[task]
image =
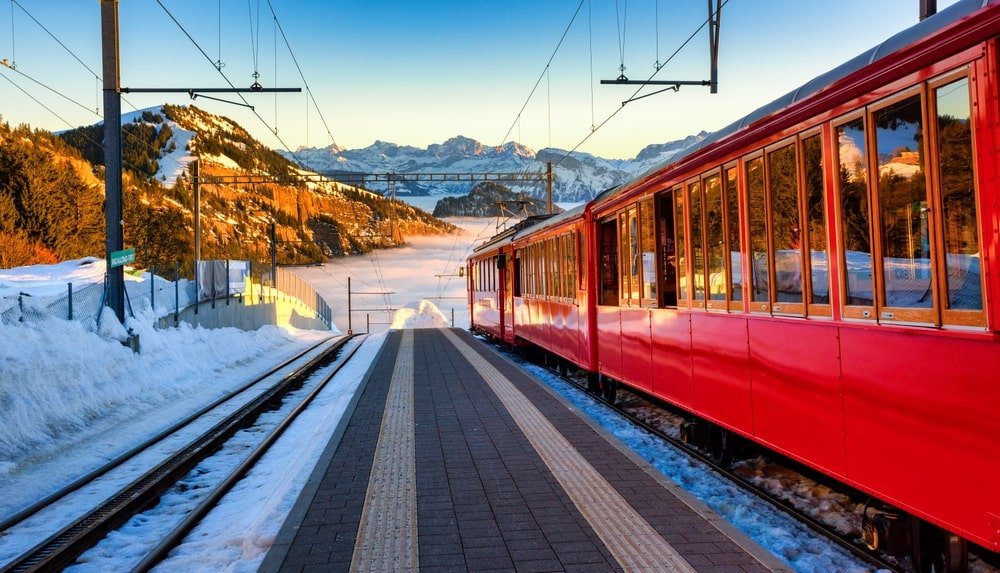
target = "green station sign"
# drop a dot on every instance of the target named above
(119, 258)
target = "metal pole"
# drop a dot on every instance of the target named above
(112, 155)
(349, 329)
(368, 323)
(274, 255)
(152, 288)
(196, 178)
(927, 8)
(227, 282)
(453, 317)
(196, 293)
(69, 288)
(177, 291)
(548, 188)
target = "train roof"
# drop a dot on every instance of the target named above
(923, 29)
(551, 221)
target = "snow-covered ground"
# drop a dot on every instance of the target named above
(70, 397)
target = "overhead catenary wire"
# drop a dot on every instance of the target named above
(544, 71)
(13, 46)
(302, 76)
(639, 89)
(620, 22)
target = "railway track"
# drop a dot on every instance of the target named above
(82, 531)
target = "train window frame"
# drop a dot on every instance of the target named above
(647, 267)
(695, 274)
(884, 312)
(755, 305)
(848, 310)
(604, 296)
(733, 304)
(953, 316)
(681, 256)
(784, 308)
(721, 304)
(815, 308)
(580, 240)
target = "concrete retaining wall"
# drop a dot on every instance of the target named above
(241, 313)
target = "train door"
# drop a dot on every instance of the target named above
(667, 248)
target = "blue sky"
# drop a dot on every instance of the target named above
(420, 72)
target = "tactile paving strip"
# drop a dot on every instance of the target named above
(630, 538)
(387, 537)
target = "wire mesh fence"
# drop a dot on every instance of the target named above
(219, 282)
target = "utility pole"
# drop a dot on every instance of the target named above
(548, 188)
(114, 240)
(927, 8)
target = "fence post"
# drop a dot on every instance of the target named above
(349, 329)
(177, 291)
(227, 282)
(453, 317)
(196, 293)
(152, 289)
(368, 323)
(69, 288)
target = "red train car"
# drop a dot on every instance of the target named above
(822, 278)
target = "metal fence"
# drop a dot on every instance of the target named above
(290, 284)
(83, 302)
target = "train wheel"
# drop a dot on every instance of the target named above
(610, 390)
(941, 551)
(593, 383)
(720, 446)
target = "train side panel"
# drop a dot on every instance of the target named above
(671, 348)
(636, 353)
(609, 341)
(797, 395)
(721, 370)
(922, 424)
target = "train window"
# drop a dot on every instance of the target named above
(735, 260)
(963, 283)
(647, 241)
(569, 240)
(715, 244)
(667, 279)
(629, 244)
(581, 267)
(903, 211)
(819, 274)
(681, 248)
(760, 279)
(518, 274)
(852, 178)
(697, 240)
(609, 262)
(785, 255)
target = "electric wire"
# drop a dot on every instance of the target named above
(53, 90)
(302, 76)
(656, 20)
(620, 21)
(590, 42)
(13, 45)
(224, 76)
(639, 89)
(544, 71)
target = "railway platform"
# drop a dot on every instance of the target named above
(453, 459)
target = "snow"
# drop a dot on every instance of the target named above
(71, 398)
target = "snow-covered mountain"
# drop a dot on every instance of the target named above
(579, 177)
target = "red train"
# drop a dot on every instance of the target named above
(821, 277)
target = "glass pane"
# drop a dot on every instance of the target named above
(783, 181)
(609, 263)
(648, 241)
(697, 242)
(902, 199)
(682, 280)
(716, 245)
(853, 170)
(626, 259)
(758, 232)
(733, 235)
(812, 157)
(961, 233)
(635, 269)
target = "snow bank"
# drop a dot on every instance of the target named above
(425, 315)
(50, 280)
(57, 378)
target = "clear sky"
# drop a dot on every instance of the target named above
(419, 72)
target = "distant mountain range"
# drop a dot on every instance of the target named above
(579, 177)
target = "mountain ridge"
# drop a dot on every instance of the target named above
(578, 177)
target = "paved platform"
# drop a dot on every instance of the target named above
(454, 459)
